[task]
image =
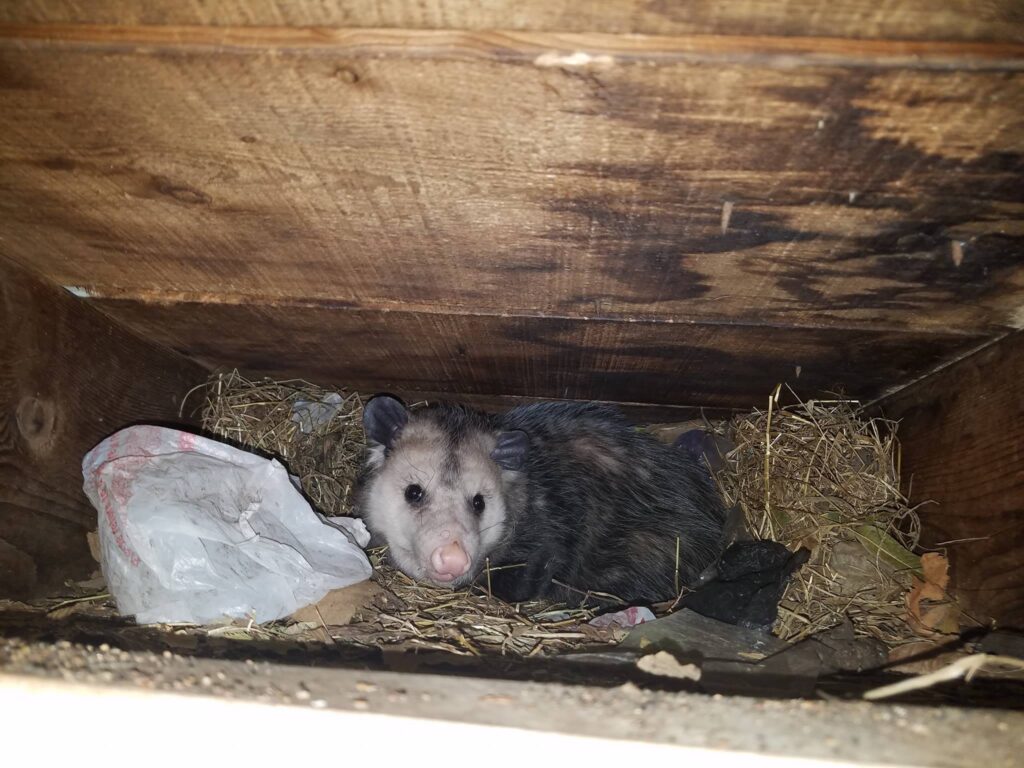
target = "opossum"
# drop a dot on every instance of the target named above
(554, 500)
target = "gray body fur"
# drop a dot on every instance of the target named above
(577, 501)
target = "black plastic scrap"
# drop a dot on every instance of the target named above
(745, 586)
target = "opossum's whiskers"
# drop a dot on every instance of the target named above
(487, 565)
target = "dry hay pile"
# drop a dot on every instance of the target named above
(818, 475)
(315, 432)
(393, 611)
(469, 622)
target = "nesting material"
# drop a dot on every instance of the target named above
(467, 622)
(817, 474)
(410, 616)
(317, 433)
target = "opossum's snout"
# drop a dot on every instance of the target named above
(450, 562)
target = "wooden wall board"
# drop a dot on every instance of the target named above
(962, 435)
(152, 164)
(900, 19)
(716, 366)
(68, 378)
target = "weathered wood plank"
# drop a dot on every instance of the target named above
(716, 366)
(572, 49)
(68, 378)
(904, 19)
(962, 433)
(856, 196)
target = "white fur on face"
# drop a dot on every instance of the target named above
(413, 532)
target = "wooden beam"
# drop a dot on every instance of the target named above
(68, 378)
(151, 164)
(864, 19)
(552, 49)
(716, 366)
(962, 432)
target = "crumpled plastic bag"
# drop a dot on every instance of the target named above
(193, 530)
(626, 618)
(311, 415)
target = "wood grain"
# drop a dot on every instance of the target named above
(500, 185)
(601, 49)
(68, 378)
(715, 366)
(903, 19)
(962, 432)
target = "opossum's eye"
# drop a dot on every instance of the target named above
(478, 504)
(413, 494)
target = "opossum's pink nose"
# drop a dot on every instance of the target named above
(450, 561)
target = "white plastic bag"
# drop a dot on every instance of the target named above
(192, 530)
(310, 415)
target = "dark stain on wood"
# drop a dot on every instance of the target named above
(141, 183)
(962, 435)
(58, 164)
(662, 212)
(645, 244)
(366, 196)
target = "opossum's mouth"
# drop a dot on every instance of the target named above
(447, 580)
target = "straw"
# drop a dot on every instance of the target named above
(814, 474)
(260, 414)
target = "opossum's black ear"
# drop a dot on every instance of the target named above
(510, 452)
(384, 418)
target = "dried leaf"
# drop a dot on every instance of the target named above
(93, 538)
(935, 568)
(338, 607)
(880, 544)
(943, 619)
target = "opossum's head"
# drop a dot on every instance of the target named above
(441, 488)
